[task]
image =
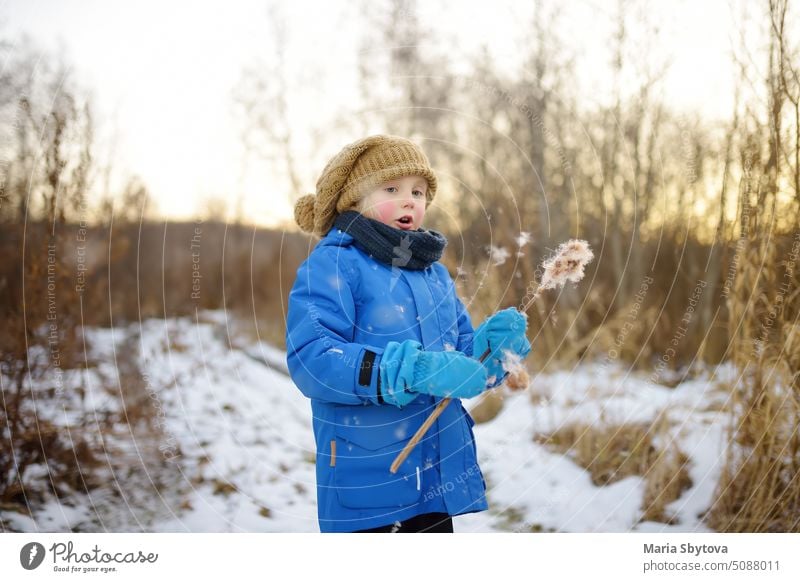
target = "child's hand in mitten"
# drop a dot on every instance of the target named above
(406, 369)
(505, 330)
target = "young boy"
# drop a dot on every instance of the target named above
(376, 336)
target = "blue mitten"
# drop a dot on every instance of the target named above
(505, 330)
(406, 370)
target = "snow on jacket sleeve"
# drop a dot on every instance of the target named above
(323, 361)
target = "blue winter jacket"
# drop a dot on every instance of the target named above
(344, 308)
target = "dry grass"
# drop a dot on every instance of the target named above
(612, 452)
(666, 480)
(36, 455)
(622, 336)
(759, 490)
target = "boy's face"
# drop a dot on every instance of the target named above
(399, 203)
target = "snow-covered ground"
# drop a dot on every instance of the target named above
(234, 450)
(546, 491)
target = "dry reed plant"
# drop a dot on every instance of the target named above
(759, 489)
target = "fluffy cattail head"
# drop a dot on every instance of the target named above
(567, 264)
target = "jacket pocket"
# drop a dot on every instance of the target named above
(367, 441)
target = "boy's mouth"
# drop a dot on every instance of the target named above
(405, 222)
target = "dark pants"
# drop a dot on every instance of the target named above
(425, 523)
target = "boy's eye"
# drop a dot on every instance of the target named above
(393, 189)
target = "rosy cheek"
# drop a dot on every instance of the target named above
(384, 211)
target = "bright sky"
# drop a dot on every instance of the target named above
(163, 73)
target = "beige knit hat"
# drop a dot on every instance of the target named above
(354, 171)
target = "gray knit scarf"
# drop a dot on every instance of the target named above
(407, 249)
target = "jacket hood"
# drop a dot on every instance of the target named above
(336, 238)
